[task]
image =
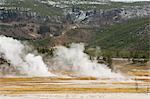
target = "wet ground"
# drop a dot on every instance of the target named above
(138, 86)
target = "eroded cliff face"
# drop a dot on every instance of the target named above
(73, 24)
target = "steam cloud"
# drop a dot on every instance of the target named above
(27, 64)
(66, 59)
(74, 59)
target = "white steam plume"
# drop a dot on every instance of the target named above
(65, 59)
(74, 59)
(27, 64)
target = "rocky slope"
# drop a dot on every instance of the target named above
(111, 25)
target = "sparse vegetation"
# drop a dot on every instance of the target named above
(34, 6)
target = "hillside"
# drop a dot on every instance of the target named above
(131, 35)
(46, 23)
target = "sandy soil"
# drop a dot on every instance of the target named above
(80, 96)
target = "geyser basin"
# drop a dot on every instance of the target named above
(65, 59)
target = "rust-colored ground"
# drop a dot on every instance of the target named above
(21, 85)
